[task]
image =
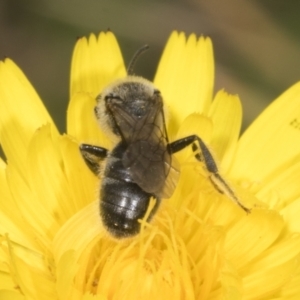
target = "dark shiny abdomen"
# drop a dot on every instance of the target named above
(123, 202)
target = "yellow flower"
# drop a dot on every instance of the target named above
(200, 245)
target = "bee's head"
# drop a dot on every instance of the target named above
(125, 101)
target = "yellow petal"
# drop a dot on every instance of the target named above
(185, 76)
(95, 63)
(226, 115)
(277, 129)
(6, 280)
(94, 297)
(21, 113)
(56, 163)
(86, 224)
(11, 295)
(12, 222)
(46, 177)
(2, 164)
(255, 232)
(31, 280)
(41, 195)
(281, 188)
(66, 269)
(292, 289)
(291, 214)
(82, 123)
(231, 282)
(36, 216)
(81, 189)
(273, 269)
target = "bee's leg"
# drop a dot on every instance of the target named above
(93, 155)
(206, 157)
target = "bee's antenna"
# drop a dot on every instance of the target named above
(135, 57)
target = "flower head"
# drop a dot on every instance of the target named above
(200, 245)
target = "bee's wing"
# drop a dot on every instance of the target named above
(171, 180)
(152, 169)
(147, 157)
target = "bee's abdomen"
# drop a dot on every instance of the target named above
(122, 205)
(122, 201)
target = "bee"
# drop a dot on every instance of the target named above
(141, 164)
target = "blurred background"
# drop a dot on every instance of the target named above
(256, 43)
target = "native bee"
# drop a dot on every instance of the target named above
(140, 165)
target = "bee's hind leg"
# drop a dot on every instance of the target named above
(210, 164)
